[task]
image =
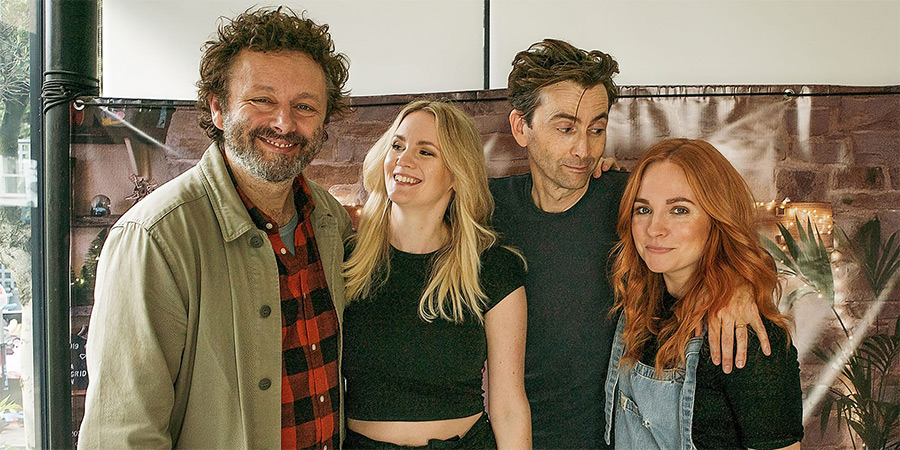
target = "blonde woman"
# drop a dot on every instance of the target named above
(432, 296)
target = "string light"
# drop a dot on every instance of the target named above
(788, 213)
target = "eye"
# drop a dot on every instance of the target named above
(260, 100)
(304, 107)
(565, 130)
(396, 147)
(424, 152)
(598, 131)
(641, 210)
(680, 210)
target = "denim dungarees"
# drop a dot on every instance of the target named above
(651, 412)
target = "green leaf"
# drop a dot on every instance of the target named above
(878, 262)
(825, 413)
(806, 257)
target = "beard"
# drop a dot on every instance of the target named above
(278, 167)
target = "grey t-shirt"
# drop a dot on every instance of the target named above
(287, 233)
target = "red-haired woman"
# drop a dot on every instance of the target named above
(686, 243)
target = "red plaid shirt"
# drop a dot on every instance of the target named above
(310, 396)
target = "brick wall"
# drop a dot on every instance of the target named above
(839, 145)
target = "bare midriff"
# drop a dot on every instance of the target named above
(413, 434)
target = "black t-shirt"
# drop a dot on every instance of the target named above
(569, 298)
(398, 367)
(759, 406)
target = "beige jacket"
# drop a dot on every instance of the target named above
(179, 352)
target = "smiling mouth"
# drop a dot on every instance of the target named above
(405, 179)
(657, 250)
(282, 145)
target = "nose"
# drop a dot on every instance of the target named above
(404, 159)
(581, 149)
(657, 225)
(282, 119)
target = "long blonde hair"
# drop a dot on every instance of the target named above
(453, 287)
(731, 258)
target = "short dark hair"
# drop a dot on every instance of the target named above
(551, 61)
(266, 30)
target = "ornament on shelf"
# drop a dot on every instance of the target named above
(142, 188)
(100, 205)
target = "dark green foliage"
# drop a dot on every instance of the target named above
(866, 397)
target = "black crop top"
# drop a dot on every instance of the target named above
(397, 367)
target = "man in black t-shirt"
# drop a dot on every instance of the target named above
(564, 222)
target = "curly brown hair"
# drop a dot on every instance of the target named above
(551, 61)
(266, 30)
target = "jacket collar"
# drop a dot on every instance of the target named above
(234, 220)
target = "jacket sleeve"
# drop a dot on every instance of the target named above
(135, 343)
(344, 224)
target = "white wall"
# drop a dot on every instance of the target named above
(151, 48)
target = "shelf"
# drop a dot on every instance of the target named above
(93, 221)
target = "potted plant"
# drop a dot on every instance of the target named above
(866, 397)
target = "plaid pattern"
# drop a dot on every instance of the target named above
(310, 396)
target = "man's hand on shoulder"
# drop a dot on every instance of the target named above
(605, 165)
(729, 326)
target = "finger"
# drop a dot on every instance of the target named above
(607, 163)
(760, 330)
(615, 164)
(598, 171)
(727, 345)
(740, 336)
(715, 352)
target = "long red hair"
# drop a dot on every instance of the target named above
(732, 256)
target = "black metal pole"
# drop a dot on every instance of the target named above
(70, 71)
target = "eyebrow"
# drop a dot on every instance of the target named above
(562, 115)
(668, 202)
(270, 90)
(421, 142)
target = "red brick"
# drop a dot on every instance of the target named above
(349, 151)
(496, 123)
(818, 121)
(801, 185)
(879, 112)
(894, 173)
(821, 150)
(184, 139)
(876, 201)
(859, 178)
(328, 175)
(502, 147)
(876, 147)
(378, 113)
(367, 131)
(494, 107)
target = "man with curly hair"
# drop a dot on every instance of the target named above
(219, 296)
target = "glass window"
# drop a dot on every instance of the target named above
(18, 197)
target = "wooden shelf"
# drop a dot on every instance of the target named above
(93, 221)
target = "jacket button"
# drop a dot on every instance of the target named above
(264, 384)
(264, 311)
(256, 242)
